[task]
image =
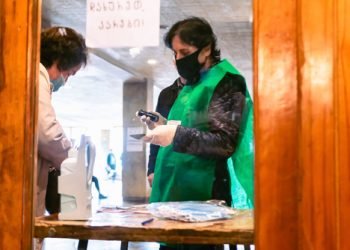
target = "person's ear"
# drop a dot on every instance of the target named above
(53, 71)
(204, 55)
(207, 50)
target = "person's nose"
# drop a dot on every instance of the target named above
(66, 78)
(178, 56)
(67, 75)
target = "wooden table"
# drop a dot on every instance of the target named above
(126, 226)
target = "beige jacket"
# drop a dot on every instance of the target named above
(53, 145)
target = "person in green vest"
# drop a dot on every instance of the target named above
(202, 130)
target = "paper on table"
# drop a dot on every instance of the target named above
(191, 211)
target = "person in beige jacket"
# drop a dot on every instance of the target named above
(62, 53)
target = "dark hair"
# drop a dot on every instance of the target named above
(194, 31)
(64, 46)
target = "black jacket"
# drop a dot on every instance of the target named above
(166, 100)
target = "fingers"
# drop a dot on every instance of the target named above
(143, 118)
(147, 138)
(146, 120)
(161, 135)
(150, 179)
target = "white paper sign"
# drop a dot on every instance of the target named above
(122, 23)
(134, 145)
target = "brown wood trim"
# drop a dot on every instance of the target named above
(276, 124)
(290, 176)
(317, 206)
(342, 112)
(30, 148)
(302, 123)
(18, 66)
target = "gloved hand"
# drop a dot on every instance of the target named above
(161, 135)
(150, 124)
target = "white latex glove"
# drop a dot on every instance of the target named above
(161, 135)
(150, 124)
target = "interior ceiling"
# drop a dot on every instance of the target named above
(93, 97)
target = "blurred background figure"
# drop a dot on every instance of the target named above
(111, 167)
(97, 185)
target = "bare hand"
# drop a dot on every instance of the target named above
(150, 179)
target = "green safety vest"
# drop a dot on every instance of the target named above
(241, 164)
(180, 176)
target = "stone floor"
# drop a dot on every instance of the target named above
(67, 244)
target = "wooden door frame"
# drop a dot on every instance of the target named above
(302, 116)
(302, 143)
(19, 60)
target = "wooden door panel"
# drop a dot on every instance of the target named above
(18, 65)
(315, 99)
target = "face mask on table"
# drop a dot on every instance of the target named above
(57, 83)
(189, 67)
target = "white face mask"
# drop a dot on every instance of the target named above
(57, 83)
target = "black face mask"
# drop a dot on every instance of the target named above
(189, 67)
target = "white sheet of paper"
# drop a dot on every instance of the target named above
(134, 145)
(122, 23)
